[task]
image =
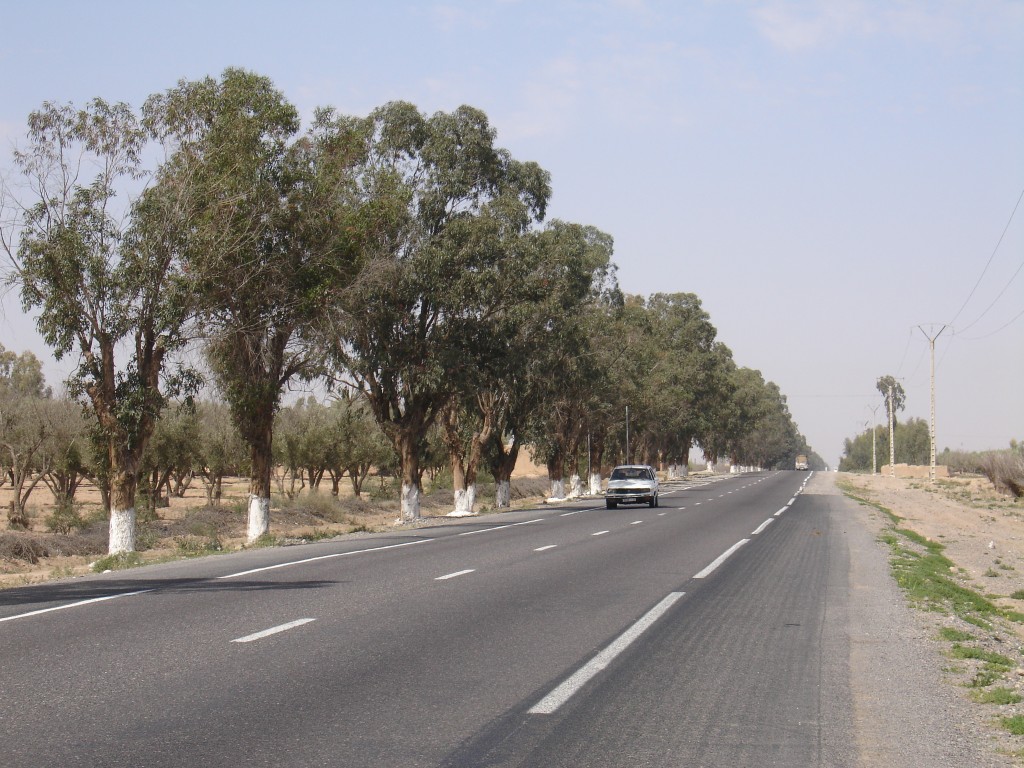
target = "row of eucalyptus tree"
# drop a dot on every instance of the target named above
(400, 257)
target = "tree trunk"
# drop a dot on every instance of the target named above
(465, 498)
(502, 463)
(123, 484)
(575, 486)
(556, 474)
(259, 483)
(411, 478)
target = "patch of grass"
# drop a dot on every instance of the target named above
(998, 696)
(1018, 595)
(955, 635)
(118, 562)
(1014, 725)
(266, 540)
(197, 546)
(989, 657)
(991, 574)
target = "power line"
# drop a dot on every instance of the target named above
(999, 296)
(989, 262)
(1007, 324)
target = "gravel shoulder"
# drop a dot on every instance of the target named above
(913, 703)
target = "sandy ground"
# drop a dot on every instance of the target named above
(982, 531)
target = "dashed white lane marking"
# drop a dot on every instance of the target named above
(599, 533)
(73, 605)
(781, 510)
(662, 514)
(636, 522)
(792, 501)
(272, 631)
(566, 690)
(545, 548)
(453, 575)
(762, 526)
(720, 559)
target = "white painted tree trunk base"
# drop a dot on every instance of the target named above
(464, 502)
(259, 517)
(410, 504)
(557, 490)
(711, 466)
(594, 481)
(122, 531)
(575, 487)
(503, 495)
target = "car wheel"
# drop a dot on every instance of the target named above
(653, 502)
(611, 504)
(657, 501)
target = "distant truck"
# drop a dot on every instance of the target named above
(801, 462)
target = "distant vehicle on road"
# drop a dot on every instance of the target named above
(801, 462)
(632, 484)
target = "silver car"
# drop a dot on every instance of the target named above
(632, 484)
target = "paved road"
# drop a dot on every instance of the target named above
(700, 633)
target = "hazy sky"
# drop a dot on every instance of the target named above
(825, 176)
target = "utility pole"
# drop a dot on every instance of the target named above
(892, 443)
(627, 434)
(931, 427)
(874, 418)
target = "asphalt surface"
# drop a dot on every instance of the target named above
(693, 634)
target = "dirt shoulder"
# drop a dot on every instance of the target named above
(955, 665)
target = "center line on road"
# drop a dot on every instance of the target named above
(272, 631)
(453, 575)
(599, 533)
(545, 548)
(636, 522)
(720, 559)
(566, 690)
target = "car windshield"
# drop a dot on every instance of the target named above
(629, 473)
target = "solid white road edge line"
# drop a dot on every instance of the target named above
(324, 557)
(453, 575)
(272, 631)
(720, 559)
(74, 605)
(762, 526)
(566, 690)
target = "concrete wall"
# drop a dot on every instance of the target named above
(915, 471)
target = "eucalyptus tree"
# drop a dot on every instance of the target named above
(689, 376)
(22, 375)
(270, 246)
(415, 326)
(99, 260)
(568, 370)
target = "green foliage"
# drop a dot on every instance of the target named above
(999, 696)
(1014, 724)
(117, 562)
(955, 635)
(65, 518)
(913, 446)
